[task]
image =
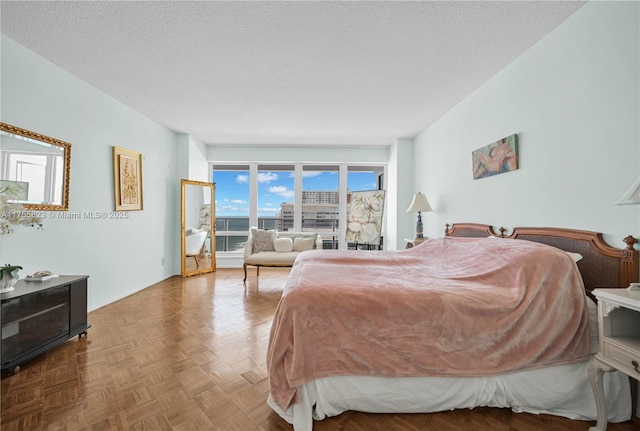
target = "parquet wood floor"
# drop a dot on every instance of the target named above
(189, 354)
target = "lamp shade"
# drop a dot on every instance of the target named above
(419, 203)
(631, 196)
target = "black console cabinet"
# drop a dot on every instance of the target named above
(39, 315)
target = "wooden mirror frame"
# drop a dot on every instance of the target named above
(183, 231)
(45, 206)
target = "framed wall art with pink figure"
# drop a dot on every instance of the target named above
(496, 158)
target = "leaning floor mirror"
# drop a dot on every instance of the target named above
(197, 234)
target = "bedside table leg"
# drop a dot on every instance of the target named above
(596, 374)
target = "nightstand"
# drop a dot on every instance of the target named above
(619, 322)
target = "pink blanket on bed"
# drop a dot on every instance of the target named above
(448, 307)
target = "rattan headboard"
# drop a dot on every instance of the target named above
(469, 230)
(601, 265)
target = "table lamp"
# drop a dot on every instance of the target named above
(419, 204)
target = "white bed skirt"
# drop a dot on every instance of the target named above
(562, 390)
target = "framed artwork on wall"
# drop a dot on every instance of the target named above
(127, 179)
(496, 158)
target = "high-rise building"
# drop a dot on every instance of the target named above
(320, 211)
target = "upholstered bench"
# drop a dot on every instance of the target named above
(273, 248)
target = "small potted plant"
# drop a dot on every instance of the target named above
(9, 275)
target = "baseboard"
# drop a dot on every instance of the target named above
(229, 261)
(128, 293)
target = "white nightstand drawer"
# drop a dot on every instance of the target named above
(623, 359)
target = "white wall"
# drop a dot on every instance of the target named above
(198, 164)
(286, 153)
(192, 163)
(120, 256)
(573, 99)
(191, 158)
(401, 224)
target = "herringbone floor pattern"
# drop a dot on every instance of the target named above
(189, 354)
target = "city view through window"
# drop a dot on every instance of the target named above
(276, 204)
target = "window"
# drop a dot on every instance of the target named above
(232, 206)
(321, 199)
(276, 197)
(363, 178)
(301, 196)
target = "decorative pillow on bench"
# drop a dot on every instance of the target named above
(302, 244)
(272, 240)
(283, 244)
(263, 240)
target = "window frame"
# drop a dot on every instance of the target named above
(343, 169)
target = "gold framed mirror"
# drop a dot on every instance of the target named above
(35, 169)
(197, 220)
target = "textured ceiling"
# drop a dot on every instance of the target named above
(316, 73)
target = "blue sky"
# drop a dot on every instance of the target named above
(276, 187)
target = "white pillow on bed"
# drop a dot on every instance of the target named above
(575, 256)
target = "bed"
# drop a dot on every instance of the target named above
(406, 339)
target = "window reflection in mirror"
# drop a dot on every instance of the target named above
(198, 232)
(35, 169)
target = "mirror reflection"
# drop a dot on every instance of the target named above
(35, 169)
(198, 235)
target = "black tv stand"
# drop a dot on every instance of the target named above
(39, 315)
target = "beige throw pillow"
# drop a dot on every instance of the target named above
(303, 244)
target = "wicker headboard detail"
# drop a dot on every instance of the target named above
(469, 230)
(601, 264)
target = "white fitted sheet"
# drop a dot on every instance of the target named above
(562, 390)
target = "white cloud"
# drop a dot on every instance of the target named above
(231, 208)
(307, 174)
(238, 201)
(281, 191)
(277, 189)
(269, 210)
(267, 177)
(240, 179)
(310, 174)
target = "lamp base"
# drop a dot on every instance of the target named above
(417, 240)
